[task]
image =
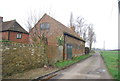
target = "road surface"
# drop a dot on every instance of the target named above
(91, 68)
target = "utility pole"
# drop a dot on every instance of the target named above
(104, 45)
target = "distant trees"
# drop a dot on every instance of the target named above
(91, 36)
(81, 27)
(86, 31)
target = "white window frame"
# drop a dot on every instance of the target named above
(19, 36)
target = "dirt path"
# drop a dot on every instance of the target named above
(91, 68)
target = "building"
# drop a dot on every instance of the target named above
(73, 44)
(13, 31)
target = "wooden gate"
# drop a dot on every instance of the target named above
(69, 51)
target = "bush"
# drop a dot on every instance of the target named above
(5, 41)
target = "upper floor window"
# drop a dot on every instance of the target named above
(44, 26)
(19, 36)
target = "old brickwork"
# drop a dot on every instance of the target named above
(13, 31)
(78, 47)
(55, 30)
(4, 35)
(24, 38)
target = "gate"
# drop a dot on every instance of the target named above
(69, 51)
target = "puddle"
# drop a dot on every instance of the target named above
(100, 70)
(97, 71)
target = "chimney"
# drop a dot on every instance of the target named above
(73, 28)
(1, 19)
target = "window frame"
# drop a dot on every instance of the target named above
(19, 36)
(43, 27)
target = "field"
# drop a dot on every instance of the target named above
(112, 61)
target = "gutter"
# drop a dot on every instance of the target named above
(65, 33)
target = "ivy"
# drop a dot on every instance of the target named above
(60, 40)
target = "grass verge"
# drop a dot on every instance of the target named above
(111, 59)
(65, 63)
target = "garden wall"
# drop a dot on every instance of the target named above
(21, 57)
(54, 53)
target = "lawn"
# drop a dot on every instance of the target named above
(65, 63)
(111, 59)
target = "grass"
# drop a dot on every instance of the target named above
(65, 63)
(111, 59)
(5, 41)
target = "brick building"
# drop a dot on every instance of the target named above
(73, 45)
(12, 31)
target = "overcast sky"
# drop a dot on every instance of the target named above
(103, 14)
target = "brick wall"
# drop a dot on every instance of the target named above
(12, 37)
(4, 35)
(51, 33)
(24, 39)
(56, 30)
(78, 47)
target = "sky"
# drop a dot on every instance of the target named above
(103, 14)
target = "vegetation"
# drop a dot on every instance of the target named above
(65, 63)
(5, 41)
(60, 40)
(112, 61)
(85, 30)
(19, 58)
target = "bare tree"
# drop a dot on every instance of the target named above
(84, 31)
(79, 25)
(32, 19)
(91, 36)
(36, 36)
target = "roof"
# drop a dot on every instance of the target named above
(65, 33)
(64, 29)
(13, 25)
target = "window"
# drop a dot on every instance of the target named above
(44, 26)
(19, 36)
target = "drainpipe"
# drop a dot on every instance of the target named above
(64, 49)
(8, 35)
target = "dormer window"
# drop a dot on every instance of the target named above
(44, 26)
